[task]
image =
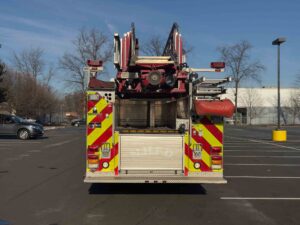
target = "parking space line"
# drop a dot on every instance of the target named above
(252, 150)
(20, 142)
(253, 145)
(262, 156)
(60, 143)
(261, 177)
(258, 164)
(259, 198)
(267, 143)
(34, 151)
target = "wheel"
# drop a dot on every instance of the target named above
(23, 134)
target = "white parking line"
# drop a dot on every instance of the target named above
(254, 145)
(20, 142)
(247, 147)
(261, 177)
(261, 156)
(60, 143)
(259, 198)
(258, 164)
(252, 150)
(267, 143)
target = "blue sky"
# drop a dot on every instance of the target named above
(205, 25)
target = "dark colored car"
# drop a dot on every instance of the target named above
(78, 122)
(14, 125)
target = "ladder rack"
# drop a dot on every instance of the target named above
(204, 86)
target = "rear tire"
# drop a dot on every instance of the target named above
(23, 134)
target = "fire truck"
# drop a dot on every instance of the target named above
(159, 121)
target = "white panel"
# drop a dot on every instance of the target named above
(151, 152)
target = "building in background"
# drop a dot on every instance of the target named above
(259, 105)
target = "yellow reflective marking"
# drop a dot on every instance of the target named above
(116, 161)
(111, 166)
(209, 137)
(220, 127)
(191, 167)
(101, 104)
(186, 158)
(90, 118)
(97, 132)
(116, 137)
(205, 155)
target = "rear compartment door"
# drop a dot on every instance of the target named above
(151, 152)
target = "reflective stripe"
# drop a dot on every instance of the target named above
(207, 134)
(97, 136)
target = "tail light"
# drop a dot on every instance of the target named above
(94, 63)
(216, 158)
(93, 157)
(216, 150)
(217, 65)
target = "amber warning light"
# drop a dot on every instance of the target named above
(217, 65)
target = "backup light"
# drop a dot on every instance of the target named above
(93, 162)
(216, 162)
(197, 165)
(105, 165)
(94, 97)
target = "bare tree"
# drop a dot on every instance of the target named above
(298, 79)
(29, 97)
(71, 102)
(156, 44)
(89, 44)
(49, 75)
(293, 105)
(29, 61)
(2, 89)
(239, 65)
(2, 68)
(252, 99)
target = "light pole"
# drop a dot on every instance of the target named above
(278, 134)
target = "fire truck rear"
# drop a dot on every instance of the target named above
(159, 122)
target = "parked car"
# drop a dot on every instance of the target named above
(78, 122)
(14, 125)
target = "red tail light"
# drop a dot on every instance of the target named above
(216, 158)
(93, 148)
(216, 149)
(217, 65)
(96, 63)
(93, 157)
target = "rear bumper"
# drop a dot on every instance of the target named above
(203, 178)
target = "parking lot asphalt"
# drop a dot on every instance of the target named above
(41, 182)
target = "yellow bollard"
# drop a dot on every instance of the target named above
(279, 135)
